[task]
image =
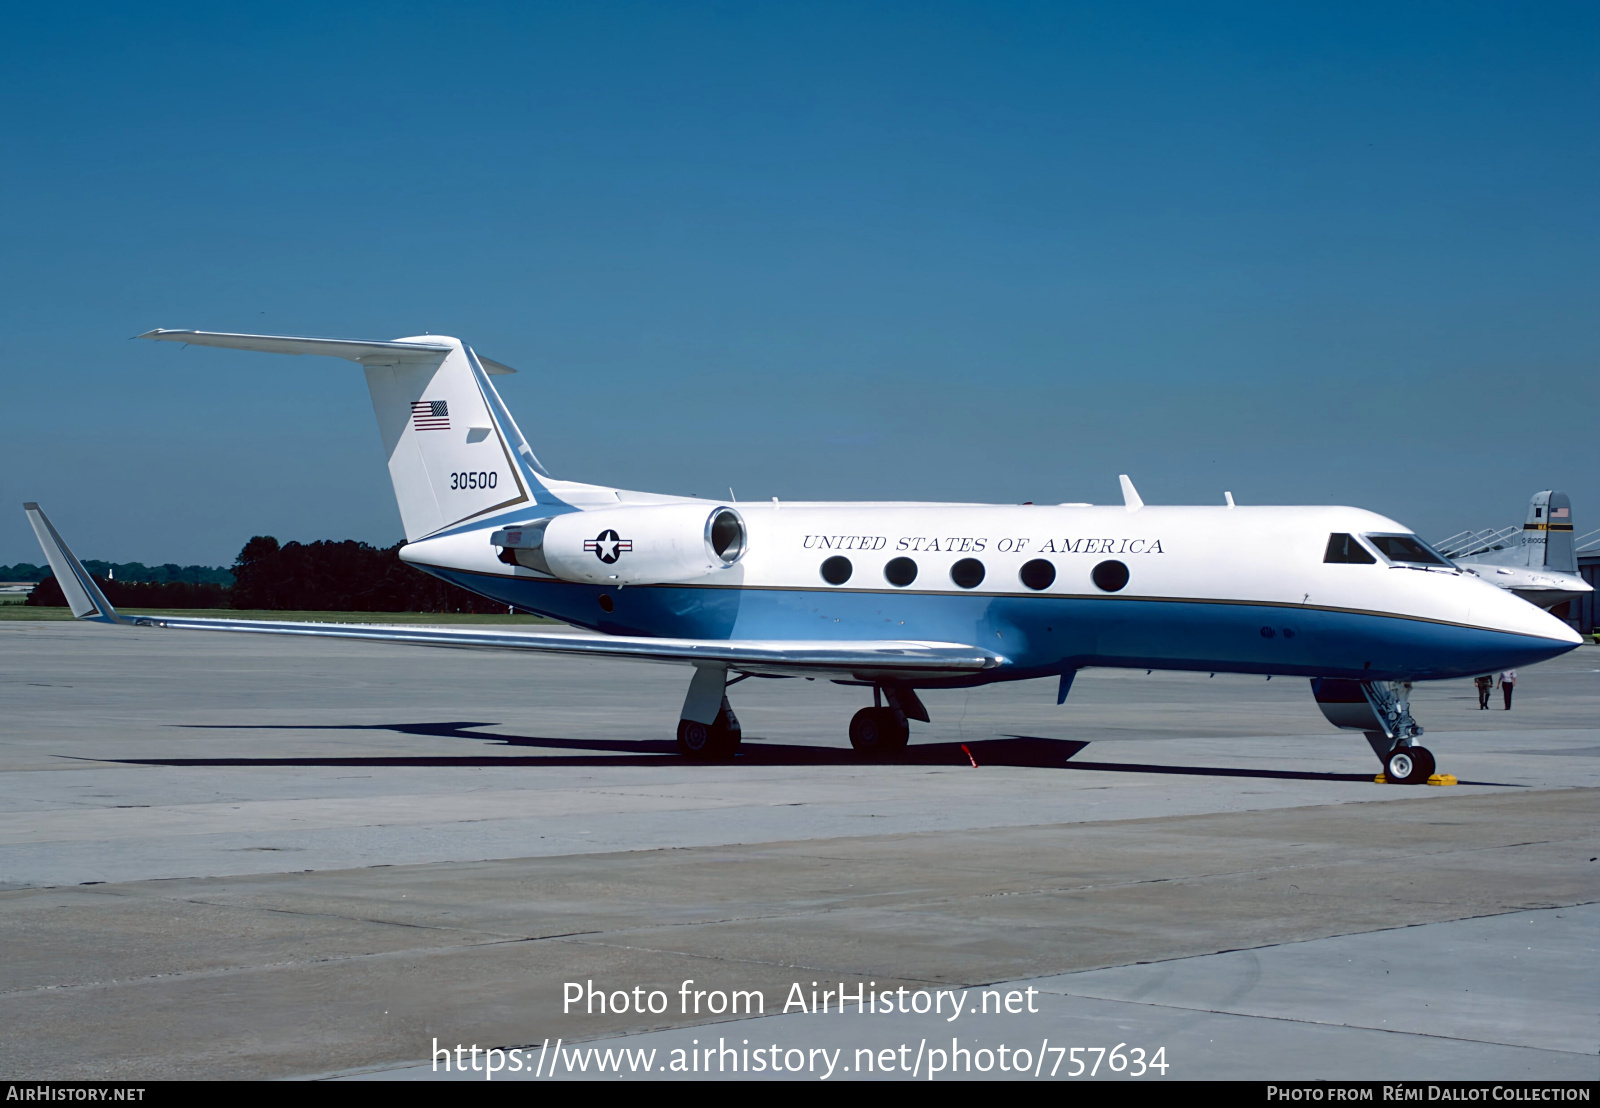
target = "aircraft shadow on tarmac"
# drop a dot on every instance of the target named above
(1021, 751)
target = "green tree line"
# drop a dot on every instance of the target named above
(127, 571)
(321, 576)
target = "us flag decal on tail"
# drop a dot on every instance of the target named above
(430, 415)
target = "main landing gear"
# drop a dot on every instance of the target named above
(882, 729)
(879, 731)
(715, 741)
(709, 731)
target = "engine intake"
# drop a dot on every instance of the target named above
(645, 545)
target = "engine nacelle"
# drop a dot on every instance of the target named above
(652, 544)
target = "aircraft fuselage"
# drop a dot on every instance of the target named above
(1243, 590)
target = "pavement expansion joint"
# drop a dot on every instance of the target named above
(1311, 1022)
(269, 967)
(1506, 911)
(724, 960)
(1259, 872)
(487, 938)
(323, 915)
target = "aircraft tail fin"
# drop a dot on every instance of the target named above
(83, 595)
(1547, 534)
(455, 454)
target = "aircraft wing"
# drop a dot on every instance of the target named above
(902, 660)
(905, 658)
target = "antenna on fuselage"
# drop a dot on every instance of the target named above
(1228, 496)
(1130, 495)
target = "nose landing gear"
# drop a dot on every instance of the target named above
(1404, 763)
(1382, 710)
(1408, 765)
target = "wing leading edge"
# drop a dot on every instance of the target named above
(931, 659)
(904, 660)
(356, 350)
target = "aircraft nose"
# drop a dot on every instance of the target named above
(1548, 626)
(1558, 642)
(1498, 610)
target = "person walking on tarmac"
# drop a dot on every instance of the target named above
(1508, 681)
(1485, 685)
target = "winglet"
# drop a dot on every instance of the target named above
(83, 595)
(1130, 495)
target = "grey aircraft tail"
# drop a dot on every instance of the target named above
(1547, 535)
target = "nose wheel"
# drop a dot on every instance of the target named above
(1382, 710)
(1409, 765)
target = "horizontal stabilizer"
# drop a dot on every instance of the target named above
(454, 452)
(355, 350)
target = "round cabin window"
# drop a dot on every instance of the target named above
(900, 572)
(1110, 576)
(836, 570)
(968, 573)
(1038, 574)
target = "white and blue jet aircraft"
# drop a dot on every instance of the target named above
(894, 597)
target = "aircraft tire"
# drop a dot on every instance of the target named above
(878, 731)
(728, 740)
(899, 730)
(706, 742)
(1408, 765)
(1424, 758)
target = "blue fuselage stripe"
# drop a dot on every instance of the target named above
(1046, 633)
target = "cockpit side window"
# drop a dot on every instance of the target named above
(1407, 549)
(1344, 548)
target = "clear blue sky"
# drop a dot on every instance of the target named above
(1335, 253)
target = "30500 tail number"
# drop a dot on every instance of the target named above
(478, 480)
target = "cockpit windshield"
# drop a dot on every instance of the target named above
(1407, 549)
(1345, 549)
